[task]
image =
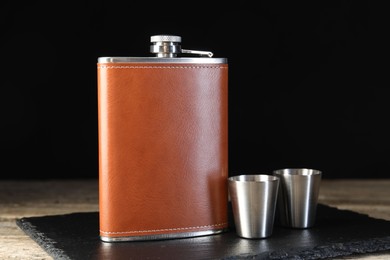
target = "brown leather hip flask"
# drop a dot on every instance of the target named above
(163, 144)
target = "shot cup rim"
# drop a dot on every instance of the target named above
(253, 178)
(297, 171)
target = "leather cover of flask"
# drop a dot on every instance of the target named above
(163, 150)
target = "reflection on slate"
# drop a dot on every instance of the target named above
(336, 233)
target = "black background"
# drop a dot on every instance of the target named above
(306, 81)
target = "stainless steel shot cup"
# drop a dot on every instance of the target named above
(253, 199)
(298, 196)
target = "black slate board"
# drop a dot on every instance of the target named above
(336, 233)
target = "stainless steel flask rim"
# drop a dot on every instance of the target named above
(167, 48)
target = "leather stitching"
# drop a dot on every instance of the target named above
(161, 67)
(164, 229)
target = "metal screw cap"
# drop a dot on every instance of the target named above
(165, 38)
(165, 46)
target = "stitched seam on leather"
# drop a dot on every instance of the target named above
(162, 67)
(164, 229)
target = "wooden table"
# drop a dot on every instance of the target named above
(50, 197)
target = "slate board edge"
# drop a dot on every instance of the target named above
(320, 252)
(47, 244)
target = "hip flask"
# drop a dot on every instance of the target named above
(163, 143)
